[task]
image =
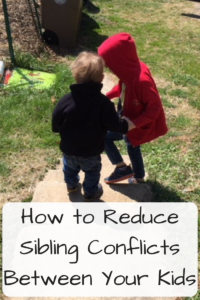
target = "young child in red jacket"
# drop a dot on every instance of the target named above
(142, 105)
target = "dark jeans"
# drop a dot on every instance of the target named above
(134, 153)
(90, 166)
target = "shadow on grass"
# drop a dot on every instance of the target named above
(151, 191)
(88, 36)
(91, 7)
(191, 15)
(162, 193)
(88, 39)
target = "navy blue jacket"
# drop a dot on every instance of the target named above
(83, 117)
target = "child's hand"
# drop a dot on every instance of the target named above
(131, 125)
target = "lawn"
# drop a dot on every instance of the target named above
(167, 38)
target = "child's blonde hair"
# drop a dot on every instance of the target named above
(88, 66)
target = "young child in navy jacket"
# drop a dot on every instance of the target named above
(82, 118)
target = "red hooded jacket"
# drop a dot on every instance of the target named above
(142, 103)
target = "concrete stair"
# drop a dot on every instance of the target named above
(53, 188)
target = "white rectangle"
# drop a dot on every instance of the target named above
(99, 249)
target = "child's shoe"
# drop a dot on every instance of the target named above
(72, 189)
(134, 180)
(96, 195)
(119, 174)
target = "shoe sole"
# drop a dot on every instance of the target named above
(119, 179)
(94, 198)
(72, 191)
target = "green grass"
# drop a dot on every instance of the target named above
(25, 129)
(169, 43)
(0, 252)
(196, 297)
(26, 114)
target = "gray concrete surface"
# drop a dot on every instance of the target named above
(53, 188)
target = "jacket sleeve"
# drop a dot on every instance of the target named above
(112, 121)
(115, 92)
(152, 103)
(58, 116)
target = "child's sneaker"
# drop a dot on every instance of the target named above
(134, 180)
(96, 195)
(119, 174)
(72, 189)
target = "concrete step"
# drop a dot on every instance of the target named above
(53, 188)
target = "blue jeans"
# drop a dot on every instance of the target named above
(90, 166)
(134, 153)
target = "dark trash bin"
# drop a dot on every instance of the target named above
(61, 19)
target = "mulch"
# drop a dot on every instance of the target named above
(24, 29)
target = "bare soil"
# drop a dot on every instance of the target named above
(24, 28)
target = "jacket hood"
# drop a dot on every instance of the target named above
(120, 55)
(87, 91)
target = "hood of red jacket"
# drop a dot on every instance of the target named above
(120, 55)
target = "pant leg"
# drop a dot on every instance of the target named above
(136, 159)
(111, 149)
(92, 169)
(71, 170)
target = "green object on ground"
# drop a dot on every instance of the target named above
(26, 78)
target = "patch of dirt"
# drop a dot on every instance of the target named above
(161, 82)
(183, 108)
(23, 26)
(109, 81)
